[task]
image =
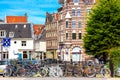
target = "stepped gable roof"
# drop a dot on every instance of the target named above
(19, 30)
(16, 19)
(49, 17)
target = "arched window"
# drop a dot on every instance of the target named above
(76, 54)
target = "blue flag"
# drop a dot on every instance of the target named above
(6, 42)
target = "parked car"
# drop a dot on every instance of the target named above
(3, 65)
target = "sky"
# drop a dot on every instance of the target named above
(35, 9)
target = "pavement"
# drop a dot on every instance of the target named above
(55, 78)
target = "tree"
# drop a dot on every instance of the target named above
(103, 28)
(115, 56)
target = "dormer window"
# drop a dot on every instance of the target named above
(2, 33)
(16, 26)
(11, 34)
(24, 26)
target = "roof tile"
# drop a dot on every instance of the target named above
(16, 19)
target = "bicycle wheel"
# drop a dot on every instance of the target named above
(43, 72)
(21, 72)
(105, 72)
(78, 73)
(7, 72)
(91, 72)
(59, 72)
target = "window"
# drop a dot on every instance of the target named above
(5, 55)
(79, 24)
(88, 11)
(73, 36)
(76, 1)
(66, 24)
(24, 26)
(73, 24)
(25, 54)
(80, 35)
(78, 12)
(11, 34)
(89, 1)
(23, 43)
(73, 12)
(16, 26)
(66, 36)
(2, 33)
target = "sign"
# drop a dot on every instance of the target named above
(6, 42)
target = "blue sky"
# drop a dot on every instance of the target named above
(36, 9)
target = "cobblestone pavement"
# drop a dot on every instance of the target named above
(53, 78)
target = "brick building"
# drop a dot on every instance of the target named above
(71, 28)
(65, 34)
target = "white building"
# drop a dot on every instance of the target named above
(39, 42)
(21, 43)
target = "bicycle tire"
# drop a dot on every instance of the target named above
(7, 72)
(91, 72)
(105, 72)
(21, 72)
(43, 72)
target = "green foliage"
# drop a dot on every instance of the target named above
(114, 55)
(103, 28)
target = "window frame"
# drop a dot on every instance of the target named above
(79, 24)
(78, 12)
(66, 36)
(2, 33)
(73, 12)
(80, 35)
(11, 34)
(23, 43)
(73, 36)
(66, 24)
(73, 24)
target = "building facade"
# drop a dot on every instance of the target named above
(21, 41)
(39, 42)
(51, 35)
(71, 28)
(16, 36)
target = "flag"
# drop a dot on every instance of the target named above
(6, 42)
